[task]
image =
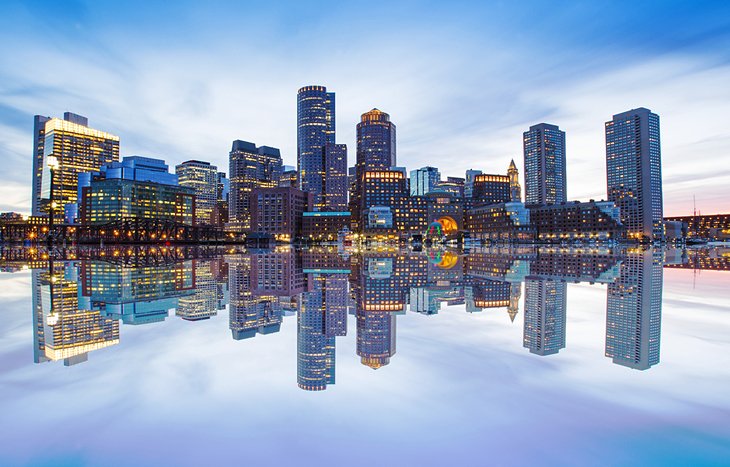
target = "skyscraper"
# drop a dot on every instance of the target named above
(634, 172)
(315, 128)
(424, 180)
(249, 167)
(203, 178)
(545, 181)
(375, 141)
(77, 149)
(375, 152)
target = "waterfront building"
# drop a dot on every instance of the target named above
(424, 180)
(250, 167)
(135, 188)
(504, 222)
(315, 129)
(545, 176)
(490, 189)
(379, 189)
(203, 178)
(634, 172)
(709, 226)
(278, 211)
(585, 221)
(545, 316)
(634, 311)
(324, 226)
(277, 273)
(77, 148)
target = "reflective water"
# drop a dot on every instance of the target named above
(195, 356)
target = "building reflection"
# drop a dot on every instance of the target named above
(634, 311)
(64, 328)
(79, 304)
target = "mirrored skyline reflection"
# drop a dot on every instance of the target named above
(348, 322)
(78, 305)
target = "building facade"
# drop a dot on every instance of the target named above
(634, 172)
(424, 180)
(315, 129)
(77, 149)
(250, 167)
(203, 179)
(544, 150)
(278, 211)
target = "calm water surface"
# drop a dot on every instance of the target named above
(323, 357)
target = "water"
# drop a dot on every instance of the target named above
(321, 357)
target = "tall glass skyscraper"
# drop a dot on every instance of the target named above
(315, 129)
(335, 178)
(249, 167)
(424, 180)
(77, 148)
(634, 172)
(545, 180)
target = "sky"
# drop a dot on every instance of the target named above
(461, 80)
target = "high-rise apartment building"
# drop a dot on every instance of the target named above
(76, 148)
(424, 180)
(545, 180)
(315, 129)
(634, 172)
(250, 167)
(203, 178)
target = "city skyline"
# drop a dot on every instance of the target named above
(479, 112)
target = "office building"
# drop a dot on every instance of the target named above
(424, 180)
(315, 128)
(490, 189)
(135, 188)
(335, 190)
(250, 167)
(203, 179)
(324, 226)
(76, 148)
(585, 221)
(469, 182)
(634, 172)
(545, 179)
(278, 211)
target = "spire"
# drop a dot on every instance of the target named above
(512, 313)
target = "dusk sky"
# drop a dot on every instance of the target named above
(461, 80)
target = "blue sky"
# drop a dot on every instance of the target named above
(461, 80)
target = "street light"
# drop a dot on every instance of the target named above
(52, 163)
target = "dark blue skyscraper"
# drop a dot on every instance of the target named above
(315, 129)
(375, 141)
(545, 180)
